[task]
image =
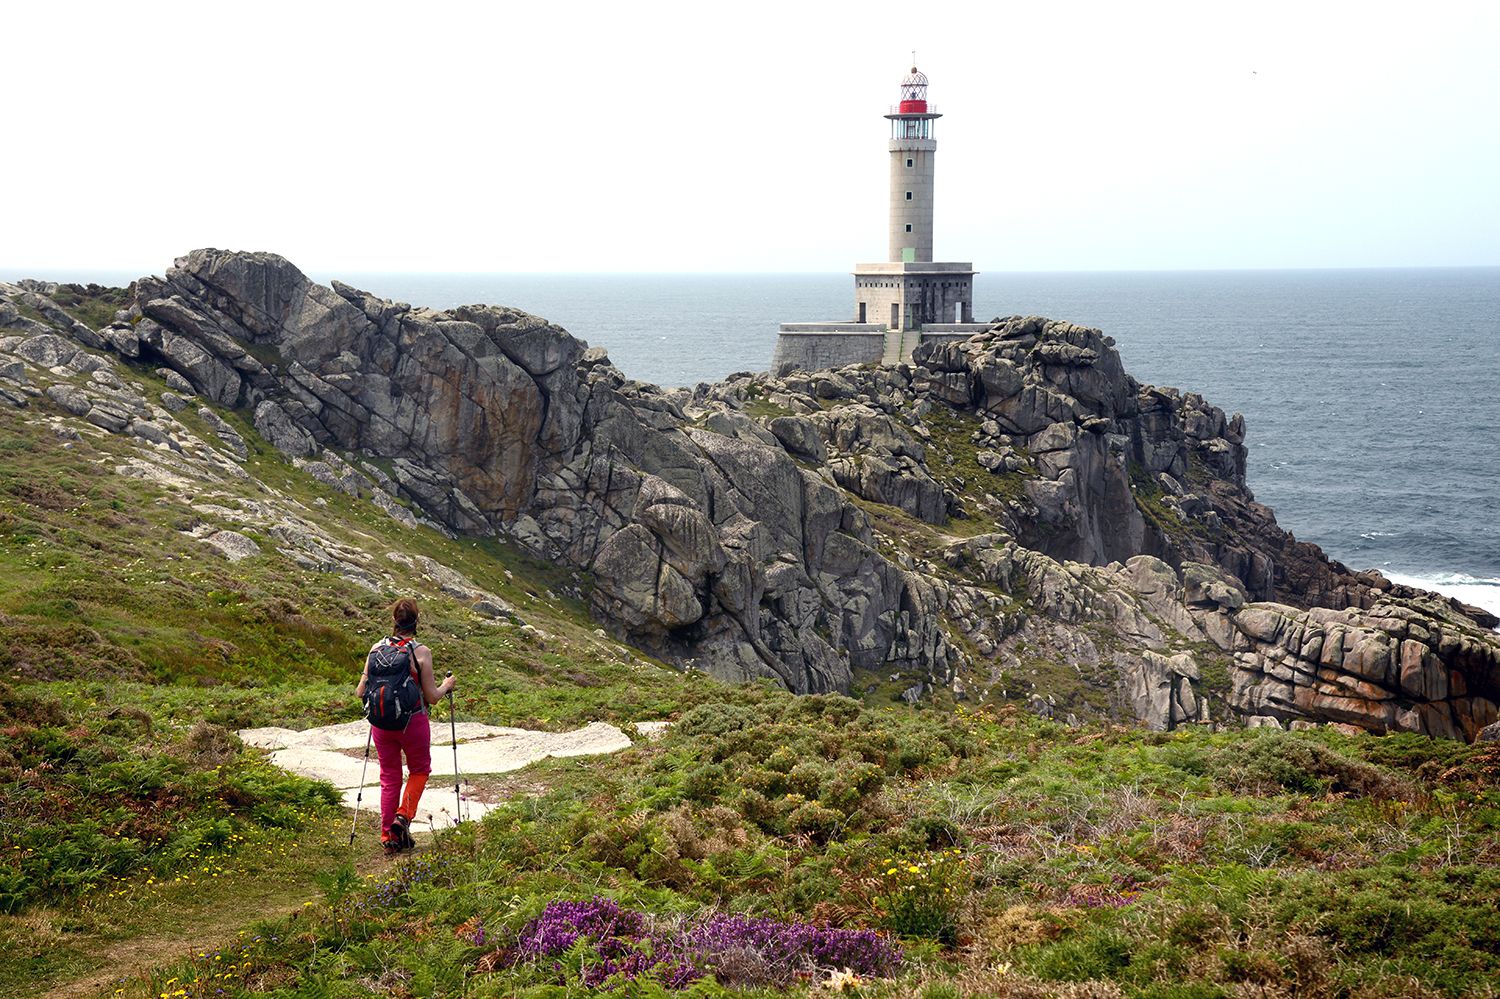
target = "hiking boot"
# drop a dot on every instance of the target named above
(390, 846)
(401, 833)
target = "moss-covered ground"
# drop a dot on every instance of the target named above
(953, 458)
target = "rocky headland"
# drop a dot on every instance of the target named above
(1012, 516)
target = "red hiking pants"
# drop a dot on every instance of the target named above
(415, 742)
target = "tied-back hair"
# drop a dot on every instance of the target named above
(404, 614)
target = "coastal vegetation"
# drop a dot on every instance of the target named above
(997, 853)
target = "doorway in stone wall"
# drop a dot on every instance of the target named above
(895, 315)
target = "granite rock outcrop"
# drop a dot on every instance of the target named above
(1008, 516)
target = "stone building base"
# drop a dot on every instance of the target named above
(815, 346)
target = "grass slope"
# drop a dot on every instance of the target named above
(143, 852)
(131, 651)
(1014, 857)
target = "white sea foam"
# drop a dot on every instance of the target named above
(1471, 590)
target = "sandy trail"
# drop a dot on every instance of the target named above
(324, 754)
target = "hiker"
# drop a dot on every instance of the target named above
(396, 688)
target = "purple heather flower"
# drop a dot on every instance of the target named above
(759, 950)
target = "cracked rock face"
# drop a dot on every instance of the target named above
(744, 529)
(336, 368)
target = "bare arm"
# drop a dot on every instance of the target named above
(431, 692)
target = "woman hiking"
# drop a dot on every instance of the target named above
(396, 688)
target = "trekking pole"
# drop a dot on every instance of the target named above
(458, 801)
(360, 796)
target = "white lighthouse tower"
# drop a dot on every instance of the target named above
(908, 297)
(913, 151)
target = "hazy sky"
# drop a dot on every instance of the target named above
(747, 136)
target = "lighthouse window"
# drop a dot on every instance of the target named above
(908, 195)
(908, 227)
(908, 164)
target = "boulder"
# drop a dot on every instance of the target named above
(232, 545)
(799, 436)
(108, 415)
(1209, 586)
(46, 350)
(638, 587)
(226, 433)
(272, 422)
(689, 542)
(205, 373)
(1160, 688)
(174, 381)
(72, 399)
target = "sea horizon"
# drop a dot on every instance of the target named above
(98, 275)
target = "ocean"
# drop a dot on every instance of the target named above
(1371, 397)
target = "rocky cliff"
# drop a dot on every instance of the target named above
(1010, 516)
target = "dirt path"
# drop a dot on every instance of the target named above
(213, 925)
(335, 753)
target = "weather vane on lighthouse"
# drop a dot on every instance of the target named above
(908, 298)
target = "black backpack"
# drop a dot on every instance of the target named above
(391, 695)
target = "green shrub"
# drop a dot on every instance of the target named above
(1094, 952)
(814, 820)
(839, 794)
(924, 894)
(935, 831)
(782, 760)
(714, 719)
(1249, 966)
(756, 807)
(1374, 919)
(1182, 990)
(1300, 763)
(702, 784)
(807, 778)
(19, 706)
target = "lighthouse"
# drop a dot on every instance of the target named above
(908, 297)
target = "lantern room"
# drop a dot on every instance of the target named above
(912, 118)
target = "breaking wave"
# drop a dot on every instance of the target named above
(1470, 589)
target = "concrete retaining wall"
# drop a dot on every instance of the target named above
(815, 346)
(797, 351)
